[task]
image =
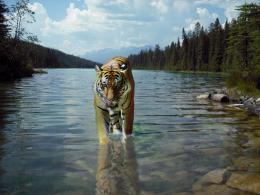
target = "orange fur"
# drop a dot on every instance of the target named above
(116, 95)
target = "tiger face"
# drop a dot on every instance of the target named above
(113, 79)
(109, 86)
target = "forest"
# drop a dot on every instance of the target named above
(19, 49)
(234, 46)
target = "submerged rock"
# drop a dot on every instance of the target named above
(181, 193)
(219, 190)
(247, 164)
(217, 176)
(203, 96)
(146, 193)
(245, 182)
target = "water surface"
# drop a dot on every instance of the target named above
(49, 143)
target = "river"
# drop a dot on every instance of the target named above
(49, 143)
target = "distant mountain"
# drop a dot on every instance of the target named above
(103, 55)
(44, 57)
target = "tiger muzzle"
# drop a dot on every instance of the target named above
(110, 97)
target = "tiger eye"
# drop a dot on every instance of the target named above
(123, 66)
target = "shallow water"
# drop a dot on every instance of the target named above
(49, 144)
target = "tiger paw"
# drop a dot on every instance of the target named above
(104, 141)
(124, 138)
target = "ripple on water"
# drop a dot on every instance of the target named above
(49, 143)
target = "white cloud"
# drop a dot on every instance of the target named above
(228, 5)
(181, 6)
(204, 17)
(159, 5)
(120, 23)
(177, 29)
(97, 27)
(204, 13)
(77, 20)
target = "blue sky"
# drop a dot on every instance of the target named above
(79, 26)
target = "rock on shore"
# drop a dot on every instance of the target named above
(224, 182)
(234, 98)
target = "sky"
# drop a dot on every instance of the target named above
(80, 26)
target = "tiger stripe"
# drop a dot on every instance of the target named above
(114, 98)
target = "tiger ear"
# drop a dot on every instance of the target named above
(98, 69)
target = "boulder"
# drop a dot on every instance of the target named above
(245, 181)
(220, 190)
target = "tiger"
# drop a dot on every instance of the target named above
(114, 98)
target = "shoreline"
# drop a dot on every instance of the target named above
(234, 98)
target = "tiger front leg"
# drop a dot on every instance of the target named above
(123, 124)
(114, 126)
(101, 126)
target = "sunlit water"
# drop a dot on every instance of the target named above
(49, 143)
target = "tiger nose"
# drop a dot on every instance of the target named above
(111, 83)
(110, 93)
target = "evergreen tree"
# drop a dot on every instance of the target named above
(202, 53)
(234, 47)
(225, 45)
(185, 47)
(217, 57)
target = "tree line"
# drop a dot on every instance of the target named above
(233, 46)
(44, 57)
(19, 51)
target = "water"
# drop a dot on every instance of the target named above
(49, 143)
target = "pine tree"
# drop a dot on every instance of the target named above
(234, 47)
(202, 53)
(217, 57)
(243, 38)
(253, 20)
(225, 45)
(176, 57)
(185, 47)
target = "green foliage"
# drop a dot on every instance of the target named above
(28, 70)
(234, 48)
(12, 62)
(19, 55)
(246, 82)
(21, 13)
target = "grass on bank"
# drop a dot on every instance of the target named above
(246, 82)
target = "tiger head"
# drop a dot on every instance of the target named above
(111, 80)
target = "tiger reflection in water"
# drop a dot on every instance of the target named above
(114, 99)
(117, 169)
(114, 106)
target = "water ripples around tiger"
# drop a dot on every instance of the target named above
(49, 143)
